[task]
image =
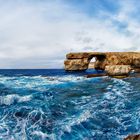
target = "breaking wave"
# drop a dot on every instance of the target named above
(10, 99)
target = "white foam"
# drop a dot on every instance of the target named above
(38, 82)
(10, 99)
(62, 79)
(45, 136)
(118, 88)
(76, 120)
(40, 134)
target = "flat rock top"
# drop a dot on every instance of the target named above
(81, 55)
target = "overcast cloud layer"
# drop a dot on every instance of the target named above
(38, 33)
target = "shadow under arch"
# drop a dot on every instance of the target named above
(96, 61)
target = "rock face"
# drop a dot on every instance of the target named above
(80, 61)
(76, 64)
(118, 70)
(91, 65)
(133, 137)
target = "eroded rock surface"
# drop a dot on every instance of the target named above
(133, 137)
(80, 61)
(118, 70)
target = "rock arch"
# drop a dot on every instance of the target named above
(80, 61)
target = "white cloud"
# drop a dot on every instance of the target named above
(39, 34)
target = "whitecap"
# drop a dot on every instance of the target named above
(40, 134)
(10, 99)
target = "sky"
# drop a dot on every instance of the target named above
(39, 33)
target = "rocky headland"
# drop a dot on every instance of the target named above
(114, 63)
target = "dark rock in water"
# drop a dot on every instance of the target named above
(95, 75)
(133, 137)
(120, 77)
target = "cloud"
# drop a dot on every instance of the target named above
(38, 34)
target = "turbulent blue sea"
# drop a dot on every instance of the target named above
(57, 105)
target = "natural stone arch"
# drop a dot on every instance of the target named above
(80, 61)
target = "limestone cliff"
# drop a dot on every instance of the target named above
(80, 61)
(118, 70)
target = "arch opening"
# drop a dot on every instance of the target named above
(96, 62)
(92, 63)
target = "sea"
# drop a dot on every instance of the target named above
(52, 104)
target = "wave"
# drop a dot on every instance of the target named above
(76, 120)
(14, 98)
(79, 108)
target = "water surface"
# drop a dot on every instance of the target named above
(55, 105)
